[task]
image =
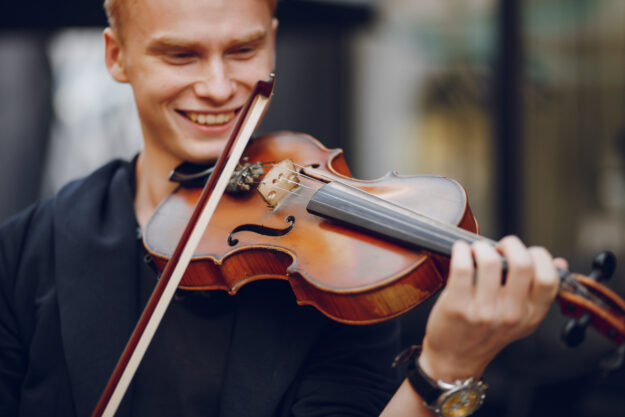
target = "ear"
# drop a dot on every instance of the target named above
(114, 56)
(274, 26)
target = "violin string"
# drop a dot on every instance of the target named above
(257, 182)
(301, 173)
(451, 229)
(298, 183)
(454, 233)
(447, 234)
(296, 193)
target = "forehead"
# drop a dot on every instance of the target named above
(200, 19)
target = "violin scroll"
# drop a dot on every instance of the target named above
(589, 303)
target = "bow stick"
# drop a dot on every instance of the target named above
(249, 117)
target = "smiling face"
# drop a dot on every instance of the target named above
(192, 65)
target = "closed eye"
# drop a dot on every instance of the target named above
(243, 50)
(246, 50)
(180, 57)
(183, 55)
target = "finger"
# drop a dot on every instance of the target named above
(520, 269)
(561, 263)
(545, 284)
(461, 270)
(488, 283)
(514, 304)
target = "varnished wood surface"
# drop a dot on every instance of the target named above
(347, 274)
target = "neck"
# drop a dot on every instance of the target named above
(152, 186)
(152, 173)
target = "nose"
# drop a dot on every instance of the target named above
(215, 83)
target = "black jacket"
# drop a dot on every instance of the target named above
(68, 303)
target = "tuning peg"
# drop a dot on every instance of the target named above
(574, 330)
(603, 266)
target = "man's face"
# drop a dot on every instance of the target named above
(191, 64)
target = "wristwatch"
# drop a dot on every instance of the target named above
(445, 399)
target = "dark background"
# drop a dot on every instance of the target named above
(554, 151)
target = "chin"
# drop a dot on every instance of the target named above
(206, 152)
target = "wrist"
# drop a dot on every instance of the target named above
(446, 367)
(455, 397)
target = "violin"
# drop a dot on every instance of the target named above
(340, 242)
(359, 251)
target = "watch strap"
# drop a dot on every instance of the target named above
(423, 385)
(428, 389)
(465, 396)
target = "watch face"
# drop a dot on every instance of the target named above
(461, 403)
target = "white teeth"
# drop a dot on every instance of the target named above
(210, 119)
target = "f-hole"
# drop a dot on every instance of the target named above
(261, 230)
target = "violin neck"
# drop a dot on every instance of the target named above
(359, 209)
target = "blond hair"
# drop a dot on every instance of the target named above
(116, 8)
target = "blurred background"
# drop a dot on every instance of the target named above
(523, 102)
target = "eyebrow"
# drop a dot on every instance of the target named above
(166, 41)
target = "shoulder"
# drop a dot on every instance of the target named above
(35, 218)
(30, 233)
(99, 184)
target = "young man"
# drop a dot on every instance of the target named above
(73, 279)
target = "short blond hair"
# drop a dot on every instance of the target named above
(116, 8)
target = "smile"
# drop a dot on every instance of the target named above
(208, 119)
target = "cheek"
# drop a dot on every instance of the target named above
(253, 70)
(160, 84)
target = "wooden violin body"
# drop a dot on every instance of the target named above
(348, 274)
